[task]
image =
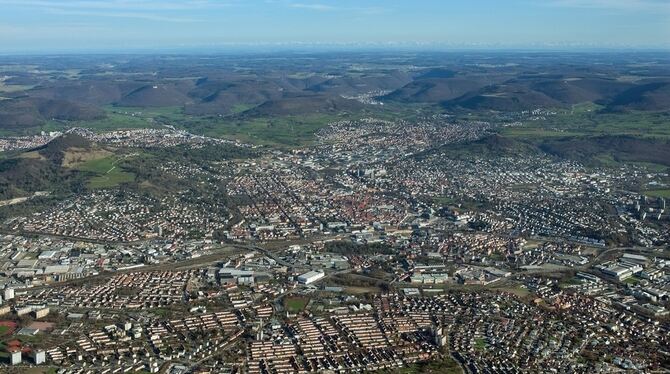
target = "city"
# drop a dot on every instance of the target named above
(270, 187)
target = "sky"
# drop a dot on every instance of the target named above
(117, 25)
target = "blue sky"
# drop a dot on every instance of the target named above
(34, 25)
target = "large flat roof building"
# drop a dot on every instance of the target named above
(311, 277)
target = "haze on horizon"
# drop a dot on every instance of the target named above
(112, 25)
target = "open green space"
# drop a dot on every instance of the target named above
(632, 281)
(590, 120)
(119, 118)
(443, 200)
(148, 113)
(658, 193)
(515, 289)
(115, 121)
(598, 138)
(39, 370)
(286, 131)
(480, 344)
(109, 174)
(444, 365)
(239, 108)
(572, 281)
(295, 304)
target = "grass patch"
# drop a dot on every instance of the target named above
(108, 173)
(658, 193)
(517, 290)
(118, 118)
(444, 365)
(239, 108)
(116, 121)
(162, 312)
(169, 113)
(591, 121)
(99, 166)
(110, 180)
(287, 131)
(480, 344)
(632, 281)
(295, 304)
(443, 201)
(570, 282)
(39, 370)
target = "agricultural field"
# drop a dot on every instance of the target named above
(283, 131)
(591, 120)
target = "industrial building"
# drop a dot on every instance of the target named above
(311, 277)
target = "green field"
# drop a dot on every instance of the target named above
(295, 304)
(658, 193)
(444, 365)
(589, 120)
(169, 113)
(115, 120)
(286, 131)
(443, 201)
(239, 108)
(632, 281)
(108, 173)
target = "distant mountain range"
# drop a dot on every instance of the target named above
(78, 90)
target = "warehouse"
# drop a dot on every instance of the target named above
(310, 277)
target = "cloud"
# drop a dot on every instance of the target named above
(319, 7)
(150, 5)
(131, 15)
(149, 10)
(629, 5)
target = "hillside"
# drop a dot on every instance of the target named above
(23, 176)
(21, 113)
(51, 167)
(156, 95)
(530, 91)
(361, 84)
(595, 150)
(493, 145)
(565, 91)
(435, 90)
(88, 91)
(649, 97)
(503, 98)
(301, 104)
(223, 97)
(59, 150)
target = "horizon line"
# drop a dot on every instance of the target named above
(259, 48)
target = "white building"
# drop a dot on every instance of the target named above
(15, 357)
(39, 356)
(9, 293)
(311, 277)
